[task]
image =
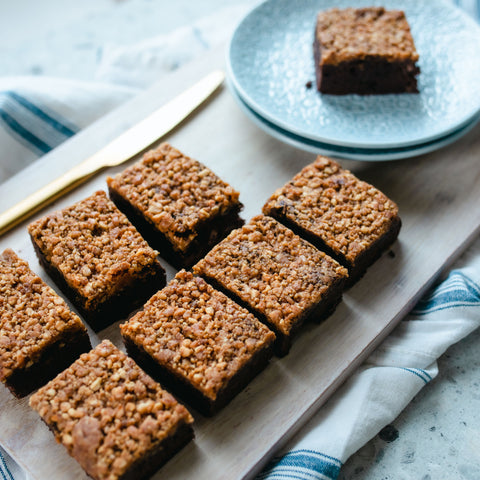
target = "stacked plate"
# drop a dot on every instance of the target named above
(271, 74)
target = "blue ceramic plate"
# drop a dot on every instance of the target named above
(365, 154)
(270, 61)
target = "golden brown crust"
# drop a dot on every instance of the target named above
(326, 201)
(268, 267)
(357, 33)
(94, 247)
(32, 316)
(175, 193)
(197, 333)
(107, 412)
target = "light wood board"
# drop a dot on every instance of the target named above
(439, 200)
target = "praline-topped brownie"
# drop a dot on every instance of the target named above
(39, 334)
(280, 277)
(340, 214)
(198, 341)
(98, 258)
(179, 205)
(114, 419)
(365, 51)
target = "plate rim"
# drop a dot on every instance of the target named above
(357, 153)
(252, 104)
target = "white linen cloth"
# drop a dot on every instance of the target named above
(38, 113)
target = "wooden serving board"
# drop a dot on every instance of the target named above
(439, 200)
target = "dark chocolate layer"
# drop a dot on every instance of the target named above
(368, 76)
(54, 359)
(117, 307)
(209, 234)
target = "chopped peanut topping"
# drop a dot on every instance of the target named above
(277, 273)
(197, 333)
(348, 215)
(355, 33)
(32, 315)
(107, 411)
(94, 246)
(175, 193)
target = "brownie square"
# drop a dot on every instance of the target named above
(115, 420)
(347, 218)
(277, 275)
(39, 335)
(179, 205)
(364, 51)
(198, 342)
(98, 259)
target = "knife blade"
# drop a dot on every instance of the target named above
(131, 142)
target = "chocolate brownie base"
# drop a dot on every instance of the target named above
(53, 360)
(98, 259)
(39, 334)
(198, 342)
(117, 307)
(187, 392)
(366, 77)
(209, 234)
(181, 206)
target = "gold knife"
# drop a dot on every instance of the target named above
(124, 147)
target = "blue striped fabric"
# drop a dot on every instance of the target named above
(456, 291)
(302, 465)
(420, 373)
(4, 470)
(34, 126)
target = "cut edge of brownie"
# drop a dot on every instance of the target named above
(186, 391)
(364, 260)
(117, 307)
(55, 358)
(317, 312)
(369, 76)
(209, 233)
(160, 454)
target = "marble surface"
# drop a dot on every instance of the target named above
(438, 434)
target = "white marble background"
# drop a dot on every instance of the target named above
(432, 438)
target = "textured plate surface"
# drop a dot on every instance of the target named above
(270, 61)
(352, 153)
